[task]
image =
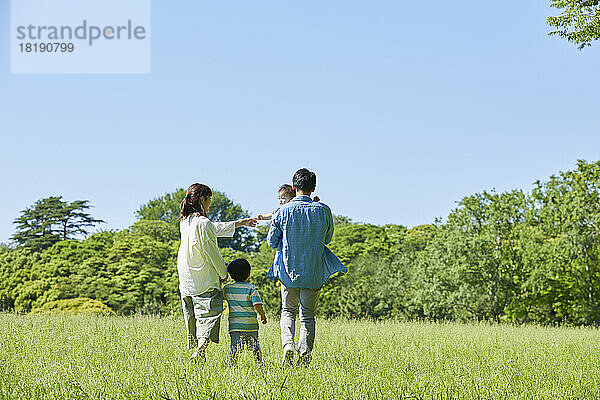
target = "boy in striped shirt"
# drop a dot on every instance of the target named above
(244, 302)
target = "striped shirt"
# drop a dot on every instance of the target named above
(241, 297)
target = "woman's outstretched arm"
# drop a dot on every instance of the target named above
(251, 222)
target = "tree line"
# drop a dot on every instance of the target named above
(516, 256)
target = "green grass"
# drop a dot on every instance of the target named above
(145, 357)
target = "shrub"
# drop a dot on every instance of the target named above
(79, 305)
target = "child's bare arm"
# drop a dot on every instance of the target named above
(259, 309)
(265, 217)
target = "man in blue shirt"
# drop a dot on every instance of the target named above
(299, 231)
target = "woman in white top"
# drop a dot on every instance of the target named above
(201, 267)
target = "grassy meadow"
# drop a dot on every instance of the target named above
(63, 357)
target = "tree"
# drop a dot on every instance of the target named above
(569, 215)
(417, 238)
(168, 207)
(579, 21)
(37, 225)
(351, 240)
(165, 208)
(74, 219)
(472, 268)
(341, 220)
(50, 220)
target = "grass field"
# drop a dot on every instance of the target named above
(145, 357)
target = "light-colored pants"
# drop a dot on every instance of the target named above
(308, 299)
(202, 314)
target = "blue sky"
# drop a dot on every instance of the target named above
(401, 108)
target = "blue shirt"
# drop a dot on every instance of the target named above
(300, 231)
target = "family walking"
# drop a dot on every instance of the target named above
(300, 230)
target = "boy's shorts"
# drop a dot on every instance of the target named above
(239, 340)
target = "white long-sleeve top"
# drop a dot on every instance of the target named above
(199, 262)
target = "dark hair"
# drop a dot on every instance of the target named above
(305, 180)
(287, 190)
(191, 202)
(239, 269)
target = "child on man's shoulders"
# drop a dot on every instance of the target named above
(284, 195)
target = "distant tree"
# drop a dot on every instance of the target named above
(50, 220)
(417, 238)
(167, 208)
(341, 220)
(471, 266)
(353, 240)
(569, 215)
(74, 220)
(37, 225)
(579, 21)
